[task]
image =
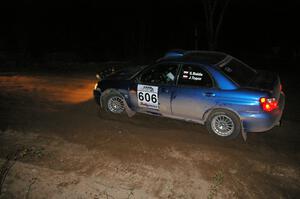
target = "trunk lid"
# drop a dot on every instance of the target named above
(267, 81)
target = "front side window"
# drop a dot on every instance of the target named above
(193, 75)
(160, 74)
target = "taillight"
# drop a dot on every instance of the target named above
(268, 104)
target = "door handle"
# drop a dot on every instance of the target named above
(209, 94)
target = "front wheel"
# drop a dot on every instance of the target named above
(114, 103)
(224, 124)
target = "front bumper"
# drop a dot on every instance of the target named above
(97, 95)
(263, 121)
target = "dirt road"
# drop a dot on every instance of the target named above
(54, 144)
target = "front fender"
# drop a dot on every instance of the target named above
(121, 92)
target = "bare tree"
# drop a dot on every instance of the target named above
(214, 11)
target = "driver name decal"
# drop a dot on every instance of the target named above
(191, 75)
(147, 96)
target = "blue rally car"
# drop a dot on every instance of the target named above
(210, 88)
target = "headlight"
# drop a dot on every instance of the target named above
(98, 76)
(96, 85)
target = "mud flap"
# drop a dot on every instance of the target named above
(128, 110)
(244, 134)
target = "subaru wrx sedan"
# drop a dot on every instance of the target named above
(210, 88)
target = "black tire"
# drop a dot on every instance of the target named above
(231, 125)
(112, 102)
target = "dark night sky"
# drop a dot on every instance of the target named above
(114, 28)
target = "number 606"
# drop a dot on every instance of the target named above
(147, 97)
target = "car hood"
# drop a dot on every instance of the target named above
(125, 73)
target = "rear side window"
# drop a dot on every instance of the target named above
(238, 72)
(193, 75)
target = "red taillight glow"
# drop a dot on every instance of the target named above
(268, 104)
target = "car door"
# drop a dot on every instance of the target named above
(194, 94)
(153, 89)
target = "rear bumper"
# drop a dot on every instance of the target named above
(263, 121)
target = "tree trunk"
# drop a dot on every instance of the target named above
(214, 11)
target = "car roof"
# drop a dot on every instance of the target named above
(202, 57)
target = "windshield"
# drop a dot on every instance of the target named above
(239, 72)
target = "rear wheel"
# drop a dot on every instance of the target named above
(224, 124)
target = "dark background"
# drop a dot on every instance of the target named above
(261, 33)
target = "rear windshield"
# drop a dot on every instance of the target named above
(239, 72)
